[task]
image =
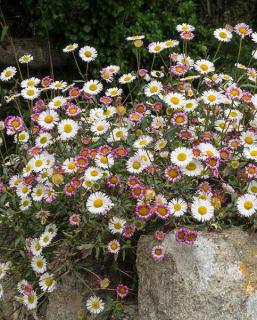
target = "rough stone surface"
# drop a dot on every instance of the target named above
(38, 49)
(199, 282)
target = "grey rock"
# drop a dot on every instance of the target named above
(198, 282)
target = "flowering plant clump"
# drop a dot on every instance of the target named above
(102, 160)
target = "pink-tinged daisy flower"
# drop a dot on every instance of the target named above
(187, 35)
(172, 174)
(13, 124)
(212, 162)
(24, 287)
(74, 219)
(39, 106)
(69, 189)
(76, 182)
(143, 211)
(128, 231)
(179, 119)
(251, 171)
(234, 92)
(243, 30)
(46, 81)
(105, 100)
(92, 153)
(122, 291)
(137, 191)
(135, 117)
(49, 195)
(179, 69)
(251, 72)
(105, 150)
(133, 181)
(159, 235)
(162, 211)
(113, 181)
(185, 135)
(106, 75)
(234, 144)
(158, 253)
(152, 169)
(157, 106)
(113, 246)
(191, 236)
(74, 92)
(205, 188)
(181, 235)
(72, 110)
(142, 72)
(35, 151)
(120, 152)
(140, 108)
(225, 154)
(246, 97)
(81, 162)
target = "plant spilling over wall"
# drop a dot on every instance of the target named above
(102, 160)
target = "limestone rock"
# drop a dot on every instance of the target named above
(197, 282)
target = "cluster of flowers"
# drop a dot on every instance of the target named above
(134, 150)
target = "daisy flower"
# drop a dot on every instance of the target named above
(142, 142)
(99, 203)
(93, 174)
(3, 270)
(122, 291)
(100, 127)
(38, 192)
(67, 129)
(158, 253)
(58, 85)
(44, 139)
(57, 102)
(212, 97)
(223, 35)
(162, 211)
(172, 174)
(127, 78)
(135, 165)
(177, 207)
(27, 58)
(252, 188)
(105, 162)
(181, 156)
(243, 30)
(31, 82)
(134, 38)
(113, 246)
(38, 264)
(156, 47)
(47, 282)
(35, 247)
(247, 204)
(184, 27)
(113, 92)
(48, 119)
(70, 47)
(250, 152)
(204, 66)
(116, 225)
(202, 210)
(92, 87)
(95, 305)
(153, 88)
(8, 73)
(174, 100)
(30, 300)
(30, 93)
(88, 54)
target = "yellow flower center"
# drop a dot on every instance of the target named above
(249, 140)
(8, 73)
(248, 204)
(38, 163)
(212, 98)
(204, 67)
(181, 156)
(67, 128)
(136, 165)
(153, 89)
(88, 54)
(174, 100)
(202, 210)
(253, 153)
(177, 206)
(30, 92)
(191, 166)
(98, 203)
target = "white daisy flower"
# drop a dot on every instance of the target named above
(104, 162)
(177, 207)
(30, 300)
(31, 82)
(157, 74)
(204, 66)
(39, 162)
(181, 156)
(30, 93)
(247, 204)
(99, 203)
(69, 166)
(113, 69)
(70, 47)
(248, 138)
(3, 270)
(100, 127)
(58, 85)
(45, 239)
(57, 102)
(142, 142)
(174, 100)
(38, 192)
(116, 225)
(250, 152)
(135, 165)
(52, 228)
(23, 190)
(25, 204)
(252, 188)
(212, 97)
(26, 58)
(156, 47)
(88, 54)
(95, 305)
(47, 282)
(93, 87)
(190, 105)
(93, 174)
(202, 210)
(145, 156)
(222, 34)
(35, 247)
(208, 150)
(153, 88)
(118, 134)
(22, 137)
(39, 264)
(8, 73)
(193, 169)
(113, 92)
(67, 129)
(48, 119)
(184, 27)
(127, 78)
(44, 139)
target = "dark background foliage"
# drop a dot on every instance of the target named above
(105, 23)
